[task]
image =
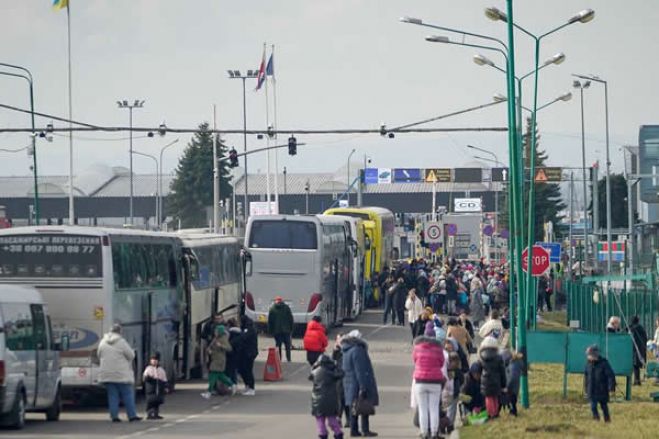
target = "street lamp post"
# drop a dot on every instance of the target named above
(28, 77)
(125, 104)
(496, 15)
(581, 86)
(235, 74)
(157, 180)
(160, 210)
(496, 194)
(608, 167)
(348, 171)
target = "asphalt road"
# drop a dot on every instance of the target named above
(279, 410)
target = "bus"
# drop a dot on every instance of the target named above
(214, 284)
(382, 242)
(94, 277)
(304, 259)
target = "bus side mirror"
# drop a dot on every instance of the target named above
(247, 262)
(63, 344)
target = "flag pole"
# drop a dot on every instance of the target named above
(274, 98)
(267, 139)
(71, 205)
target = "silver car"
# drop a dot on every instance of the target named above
(30, 377)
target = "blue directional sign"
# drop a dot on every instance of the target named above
(407, 175)
(371, 176)
(554, 249)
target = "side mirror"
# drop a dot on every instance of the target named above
(247, 262)
(63, 344)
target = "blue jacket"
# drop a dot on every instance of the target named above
(359, 374)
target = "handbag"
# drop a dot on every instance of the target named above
(362, 407)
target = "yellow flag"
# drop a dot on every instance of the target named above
(60, 4)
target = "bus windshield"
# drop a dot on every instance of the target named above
(50, 256)
(299, 235)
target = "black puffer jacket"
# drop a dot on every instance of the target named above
(493, 379)
(325, 392)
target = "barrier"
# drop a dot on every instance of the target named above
(568, 348)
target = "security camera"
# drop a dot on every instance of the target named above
(259, 136)
(391, 135)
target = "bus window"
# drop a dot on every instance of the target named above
(18, 327)
(283, 234)
(39, 325)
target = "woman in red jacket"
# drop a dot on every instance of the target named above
(315, 339)
(428, 355)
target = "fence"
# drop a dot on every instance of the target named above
(588, 303)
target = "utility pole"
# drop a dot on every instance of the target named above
(125, 104)
(216, 178)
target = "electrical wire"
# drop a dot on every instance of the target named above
(12, 150)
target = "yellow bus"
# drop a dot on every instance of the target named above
(382, 229)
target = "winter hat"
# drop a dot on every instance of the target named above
(489, 342)
(116, 328)
(429, 330)
(355, 334)
(219, 330)
(476, 367)
(593, 350)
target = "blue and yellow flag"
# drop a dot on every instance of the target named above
(60, 4)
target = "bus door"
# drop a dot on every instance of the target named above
(335, 292)
(187, 353)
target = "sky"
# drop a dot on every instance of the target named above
(339, 64)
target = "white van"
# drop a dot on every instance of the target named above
(30, 377)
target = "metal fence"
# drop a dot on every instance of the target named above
(588, 305)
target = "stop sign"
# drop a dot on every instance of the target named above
(539, 260)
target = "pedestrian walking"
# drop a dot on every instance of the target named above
(389, 291)
(280, 325)
(315, 340)
(599, 381)
(155, 387)
(217, 352)
(493, 378)
(428, 356)
(235, 340)
(451, 295)
(359, 384)
(337, 356)
(116, 373)
(454, 380)
(399, 302)
(325, 406)
(249, 350)
(640, 339)
(456, 331)
(493, 327)
(476, 305)
(414, 308)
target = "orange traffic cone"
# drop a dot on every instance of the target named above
(272, 370)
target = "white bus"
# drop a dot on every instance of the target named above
(214, 284)
(93, 277)
(304, 259)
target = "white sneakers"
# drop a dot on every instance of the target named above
(206, 395)
(234, 390)
(249, 392)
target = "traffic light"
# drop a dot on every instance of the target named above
(292, 145)
(233, 158)
(422, 239)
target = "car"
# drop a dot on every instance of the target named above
(30, 377)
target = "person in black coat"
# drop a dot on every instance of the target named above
(640, 338)
(155, 386)
(493, 378)
(337, 356)
(249, 350)
(400, 295)
(472, 388)
(325, 404)
(599, 380)
(235, 340)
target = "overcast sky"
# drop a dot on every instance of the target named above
(339, 64)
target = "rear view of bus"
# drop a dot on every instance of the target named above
(285, 261)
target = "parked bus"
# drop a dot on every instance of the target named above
(382, 243)
(214, 283)
(93, 277)
(303, 259)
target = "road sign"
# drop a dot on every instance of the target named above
(371, 176)
(539, 260)
(488, 230)
(384, 175)
(545, 175)
(500, 174)
(438, 175)
(554, 249)
(432, 232)
(468, 175)
(467, 205)
(451, 229)
(407, 175)
(617, 251)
